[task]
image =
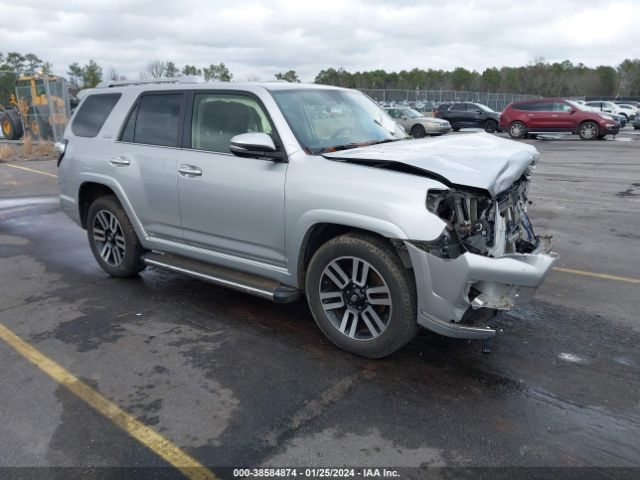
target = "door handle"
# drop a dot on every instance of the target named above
(189, 171)
(120, 161)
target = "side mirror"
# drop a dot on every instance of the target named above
(255, 144)
(571, 111)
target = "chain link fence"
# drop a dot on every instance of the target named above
(42, 102)
(432, 98)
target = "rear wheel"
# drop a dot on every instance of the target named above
(361, 296)
(588, 130)
(113, 240)
(417, 131)
(490, 126)
(11, 125)
(517, 130)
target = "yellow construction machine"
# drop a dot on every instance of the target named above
(32, 109)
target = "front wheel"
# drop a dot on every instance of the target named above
(588, 131)
(113, 240)
(417, 131)
(361, 295)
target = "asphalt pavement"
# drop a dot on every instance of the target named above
(236, 381)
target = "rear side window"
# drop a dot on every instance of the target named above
(155, 120)
(93, 113)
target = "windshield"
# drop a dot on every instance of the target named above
(328, 120)
(411, 113)
(484, 107)
(579, 106)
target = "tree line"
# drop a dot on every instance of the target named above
(540, 77)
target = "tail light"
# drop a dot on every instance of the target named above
(61, 148)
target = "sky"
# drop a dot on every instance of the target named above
(258, 39)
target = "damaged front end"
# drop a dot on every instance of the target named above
(487, 259)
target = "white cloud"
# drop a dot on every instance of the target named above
(261, 38)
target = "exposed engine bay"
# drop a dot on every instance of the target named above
(476, 223)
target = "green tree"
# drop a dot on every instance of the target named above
(218, 73)
(75, 74)
(91, 74)
(16, 61)
(32, 62)
(171, 70)
(191, 70)
(289, 76)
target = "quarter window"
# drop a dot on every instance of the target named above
(219, 117)
(93, 113)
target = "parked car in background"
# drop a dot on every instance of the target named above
(621, 119)
(636, 123)
(605, 106)
(554, 115)
(471, 115)
(417, 124)
(627, 102)
(437, 111)
(239, 185)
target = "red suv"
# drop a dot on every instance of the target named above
(547, 115)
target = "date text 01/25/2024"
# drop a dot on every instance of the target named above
(316, 472)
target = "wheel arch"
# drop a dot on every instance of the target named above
(321, 232)
(95, 186)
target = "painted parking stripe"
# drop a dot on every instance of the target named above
(172, 454)
(603, 276)
(32, 170)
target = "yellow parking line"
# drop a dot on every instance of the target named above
(603, 276)
(190, 467)
(31, 170)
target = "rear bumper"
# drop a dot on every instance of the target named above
(447, 289)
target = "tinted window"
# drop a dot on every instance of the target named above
(394, 113)
(157, 120)
(217, 118)
(460, 107)
(92, 114)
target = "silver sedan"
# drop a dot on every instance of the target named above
(416, 123)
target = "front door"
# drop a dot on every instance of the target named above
(231, 204)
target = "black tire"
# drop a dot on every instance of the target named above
(455, 129)
(417, 131)
(131, 262)
(490, 126)
(11, 125)
(517, 130)
(387, 269)
(588, 130)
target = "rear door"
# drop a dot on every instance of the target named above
(144, 161)
(457, 115)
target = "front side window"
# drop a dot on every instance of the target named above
(351, 119)
(219, 117)
(459, 107)
(92, 114)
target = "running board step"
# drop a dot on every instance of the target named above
(244, 282)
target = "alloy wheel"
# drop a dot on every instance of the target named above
(108, 238)
(588, 130)
(355, 298)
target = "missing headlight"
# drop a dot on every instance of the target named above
(469, 216)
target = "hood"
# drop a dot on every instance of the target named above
(478, 160)
(439, 121)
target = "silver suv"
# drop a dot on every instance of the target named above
(284, 190)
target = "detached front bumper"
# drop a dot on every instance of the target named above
(447, 289)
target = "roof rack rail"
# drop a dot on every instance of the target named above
(157, 81)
